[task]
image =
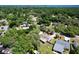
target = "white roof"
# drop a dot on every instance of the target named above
(36, 52)
(67, 38)
(4, 28)
(25, 28)
(59, 47)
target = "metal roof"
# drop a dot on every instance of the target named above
(60, 45)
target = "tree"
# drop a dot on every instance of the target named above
(9, 38)
(77, 50)
(21, 42)
(12, 24)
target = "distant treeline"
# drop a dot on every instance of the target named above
(65, 16)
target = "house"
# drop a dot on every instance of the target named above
(36, 52)
(67, 38)
(44, 37)
(24, 26)
(61, 45)
(6, 51)
(3, 26)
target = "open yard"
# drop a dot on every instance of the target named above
(45, 48)
(53, 41)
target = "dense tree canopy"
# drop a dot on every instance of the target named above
(21, 42)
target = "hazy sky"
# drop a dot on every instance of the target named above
(39, 2)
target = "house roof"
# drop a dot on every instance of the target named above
(4, 27)
(60, 45)
(6, 51)
(67, 38)
(44, 37)
(75, 44)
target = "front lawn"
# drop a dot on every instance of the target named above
(45, 48)
(53, 41)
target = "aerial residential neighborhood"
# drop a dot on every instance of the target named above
(39, 30)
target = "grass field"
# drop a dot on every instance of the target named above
(46, 48)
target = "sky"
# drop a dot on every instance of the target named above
(39, 2)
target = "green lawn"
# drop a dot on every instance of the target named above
(1, 30)
(45, 48)
(53, 41)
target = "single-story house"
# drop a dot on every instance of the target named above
(24, 25)
(60, 45)
(5, 28)
(6, 51)
(44, 37)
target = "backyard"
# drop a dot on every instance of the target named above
(46, 48)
